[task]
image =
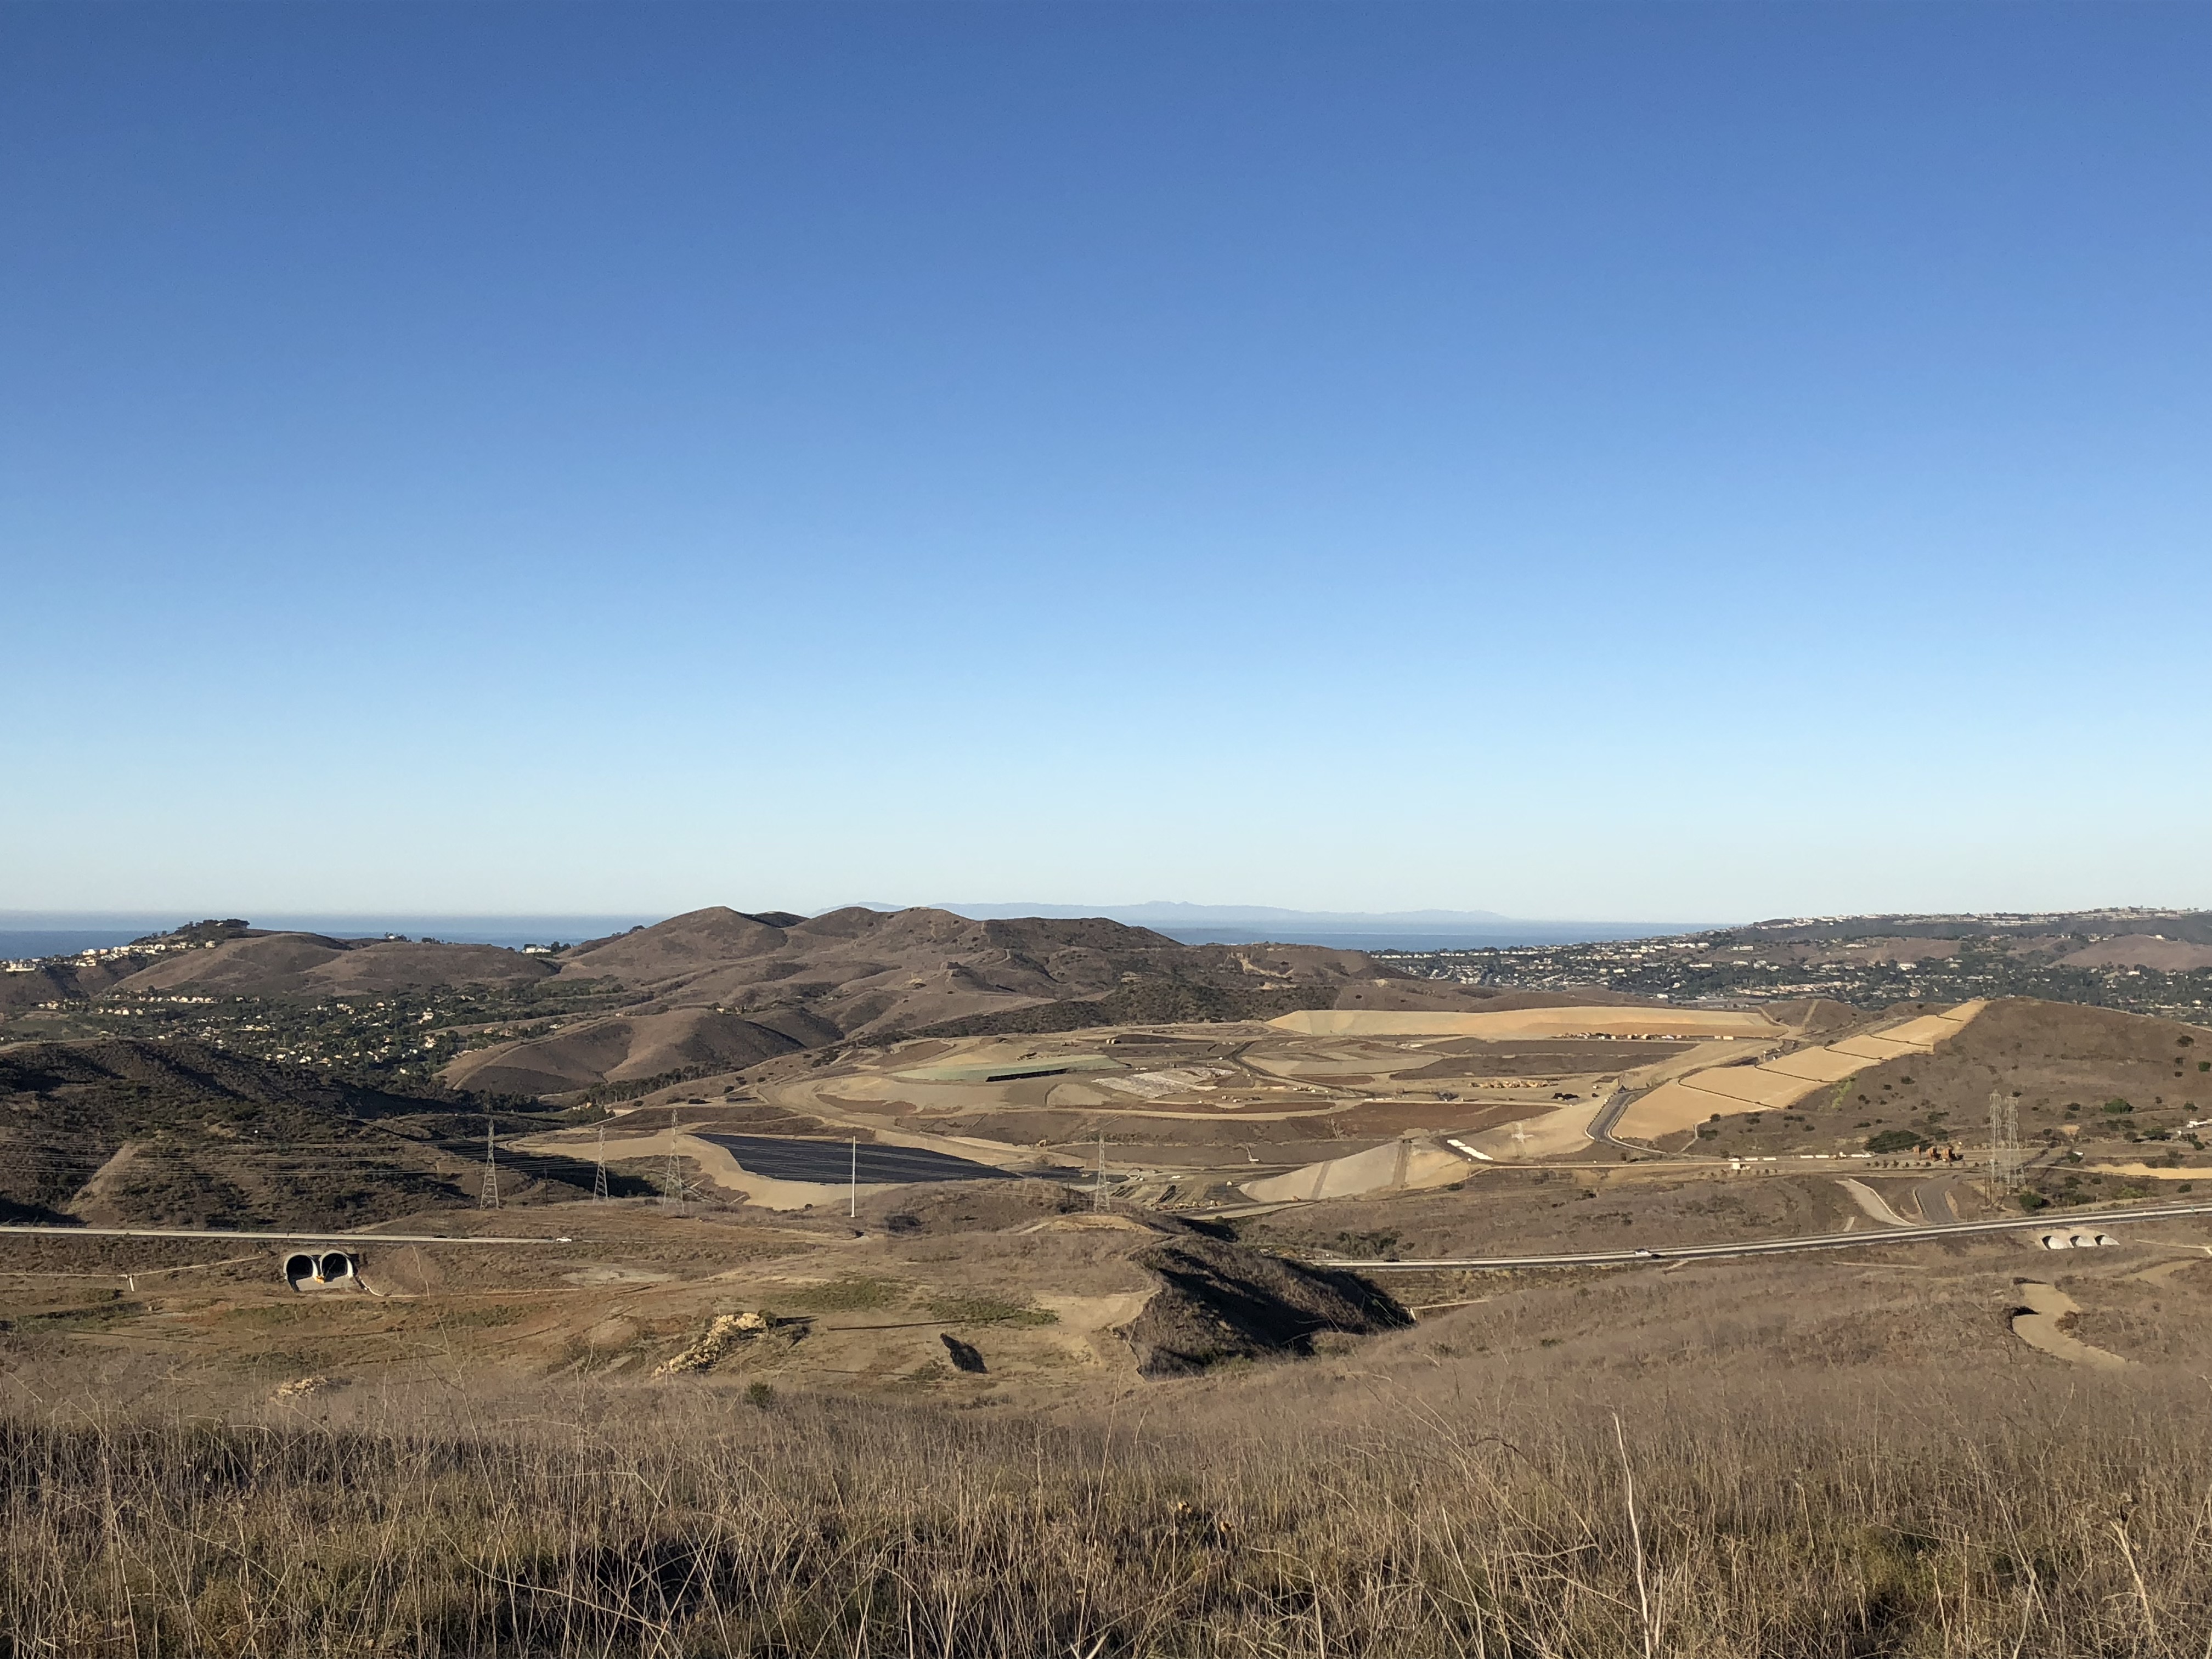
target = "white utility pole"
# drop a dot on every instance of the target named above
(852, 1199)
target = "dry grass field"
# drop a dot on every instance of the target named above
(1741, 1514)
(1048, 1416)
(1855, 1453)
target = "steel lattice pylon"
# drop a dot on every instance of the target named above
(489, 1199)
(2004, 1139)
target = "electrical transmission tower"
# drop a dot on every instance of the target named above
(490, 1200)
(672, 1185)
(2004, 1139)
(600, 1169)
(1098, 1193)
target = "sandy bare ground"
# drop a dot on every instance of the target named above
(2040, 1328)
(1694, 1060)
(1692, 1097)
(2180, 1172)
(1437, 1161)
(1530, 1024)
(1397, 1166)
(1563, 1129)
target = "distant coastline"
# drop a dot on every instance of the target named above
(35, 933)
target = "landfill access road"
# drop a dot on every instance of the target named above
(2069, 1220)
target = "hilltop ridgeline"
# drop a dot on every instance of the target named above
(180, 1134)
(717, 986)
(718, 989)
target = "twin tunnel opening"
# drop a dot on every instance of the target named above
(304, 1271)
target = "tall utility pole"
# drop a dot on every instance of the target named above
(2004, 1139)
(853, 1197)
(674, 1184)
(1098, 1192)
(489, 1199)
(600, 1169)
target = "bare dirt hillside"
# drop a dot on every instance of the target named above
(2172, 956)
(775, 982)
(310, 965)
(719, 988)
(59, 979)
(618, 1049)
(860, 968)
(180, 1134)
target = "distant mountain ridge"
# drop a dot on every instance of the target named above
(1174, 911)
(1367, 930)
(719, 988)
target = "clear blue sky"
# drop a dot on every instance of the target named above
(1657, 461)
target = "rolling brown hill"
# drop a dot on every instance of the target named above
(630, 1046)
(923, 965)
(176, 1134)
(719, 986)
(60, 978)
(2173, 956)
(311, 965)
(866, 971)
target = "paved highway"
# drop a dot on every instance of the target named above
(2068, 1219)
(274, 1238)
(776, 1158)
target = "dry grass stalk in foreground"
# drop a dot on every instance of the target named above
(1817, 1520)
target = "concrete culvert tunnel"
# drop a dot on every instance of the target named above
(2076, 1240)
(306, 1272)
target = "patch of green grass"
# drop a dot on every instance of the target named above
(846, 1294)
(989, 1311)
(63, 1321)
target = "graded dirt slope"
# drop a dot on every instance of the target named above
(1397, 1166)
(1572, 1019)
(1719, 1090)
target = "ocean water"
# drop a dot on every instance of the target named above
(25, 936)
(36, 935)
